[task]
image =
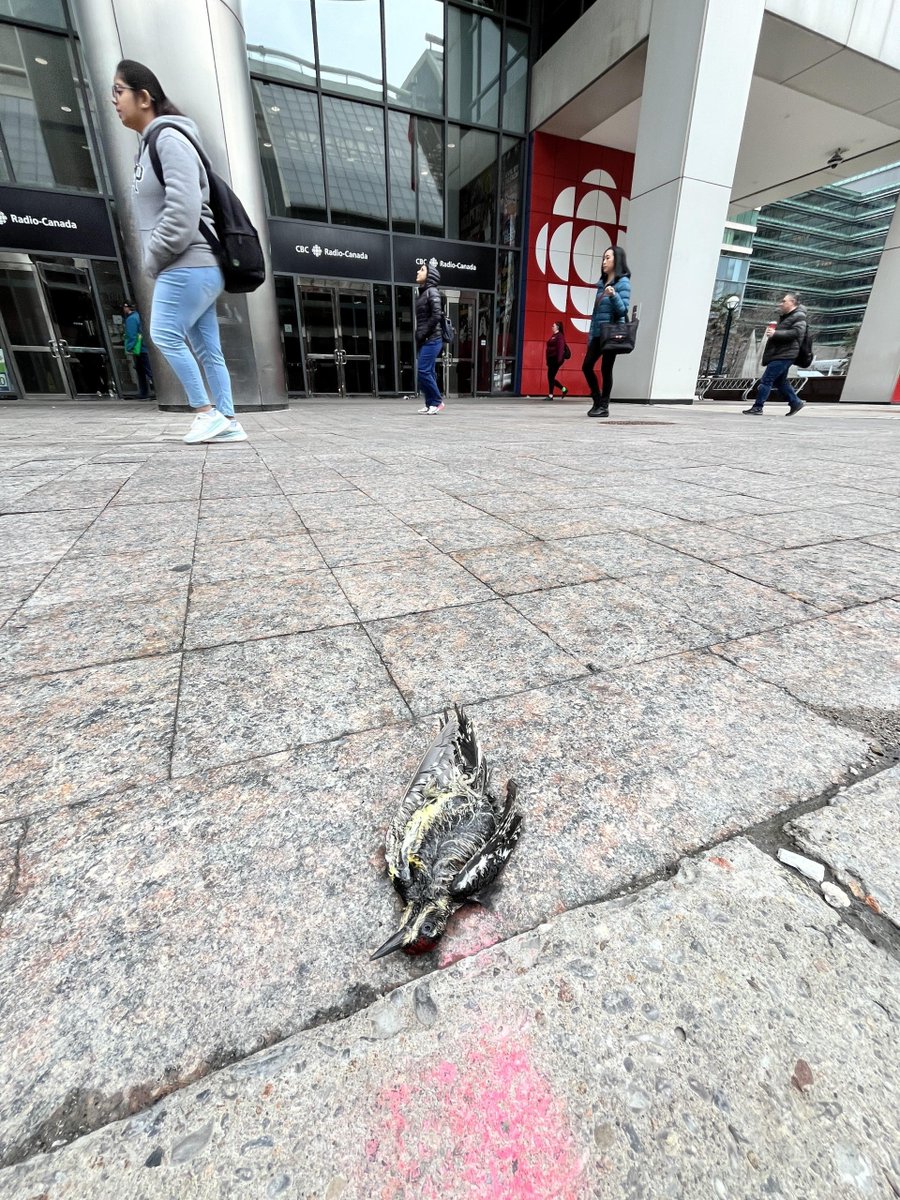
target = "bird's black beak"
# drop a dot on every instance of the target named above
(394, 942)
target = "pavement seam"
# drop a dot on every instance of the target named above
(361, 996)
(8, 897)
(180, 651)
(859, 917)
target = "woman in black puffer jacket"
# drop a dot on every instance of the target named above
(429, 341)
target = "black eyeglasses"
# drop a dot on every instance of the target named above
(119, 88)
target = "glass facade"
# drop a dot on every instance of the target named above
(825, 245)
(406, 116)
(60, 314)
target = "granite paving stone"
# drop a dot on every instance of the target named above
(408, 585)
(621, 554)
(782, 570)
(847, 662)
(596, 1062)
(133, 528)
(460, 655)
(199, 870)
(41, 639)
(358, 545)
(216, 561)
(890, 541)
(805, 528)
(563, 522)
(525, 568)
(232, 610)
(102, 577)
(706, 541)
(159, 489)
(472, 533)
(77, 734)
(63, 495)
(231, 520)
(18, 583)
(259, 697)
(856, 835)
(609, 624)
(820, 581)
(235, 485)
(714, 596)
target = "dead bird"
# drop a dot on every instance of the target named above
(450, 836)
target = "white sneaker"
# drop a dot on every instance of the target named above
(206, 425)
(426, 409)
(439, 407)
(234, 433)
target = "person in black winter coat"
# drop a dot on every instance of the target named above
(429, 340)
(556, 349)
(782, 348)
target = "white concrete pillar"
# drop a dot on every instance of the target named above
(197, 51)
(875, 365)
(700, 59)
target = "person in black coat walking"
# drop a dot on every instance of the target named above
(782, 348)
(429, 339)
(556, 355)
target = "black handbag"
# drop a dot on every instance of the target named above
(619, 337)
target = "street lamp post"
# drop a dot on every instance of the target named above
(731, 304)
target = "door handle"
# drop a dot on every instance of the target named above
(64, 348)
(54, 348)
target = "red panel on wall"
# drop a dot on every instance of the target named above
(576, 210)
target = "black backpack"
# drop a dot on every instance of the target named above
(448, 333)
(567, 353)
(237, 246)
(805, 356)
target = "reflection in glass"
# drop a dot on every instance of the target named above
(471, 184)
(289, 328)
(354, 158)
(417, 174)
(349, 37)
(515, 84)
(110, 294)
(473, 67)
(43, 12)
(280, 39)
(483, 342)
(414, 30)
(40, 111)
(510, 191)
(290, 150)
(401, 131)
(430, 164)
(384, 338)
(507, 316)
(406, 354)
(22, 309)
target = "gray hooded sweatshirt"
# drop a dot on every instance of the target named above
(169, 218)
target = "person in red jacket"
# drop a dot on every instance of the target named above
(556, 354)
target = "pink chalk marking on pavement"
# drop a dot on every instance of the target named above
(471, 930)
(486, 1126)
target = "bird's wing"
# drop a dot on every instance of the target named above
(469, 757)
(486, 864)
(435, 768)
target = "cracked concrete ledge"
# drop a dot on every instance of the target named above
(720, 1034)
(858, 836)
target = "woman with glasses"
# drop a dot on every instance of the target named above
(188, 278)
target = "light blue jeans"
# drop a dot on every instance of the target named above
(184, 326)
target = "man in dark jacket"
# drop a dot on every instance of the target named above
(780, 353)
(429, 339)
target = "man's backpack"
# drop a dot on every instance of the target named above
(806, 355)
(237, 246)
